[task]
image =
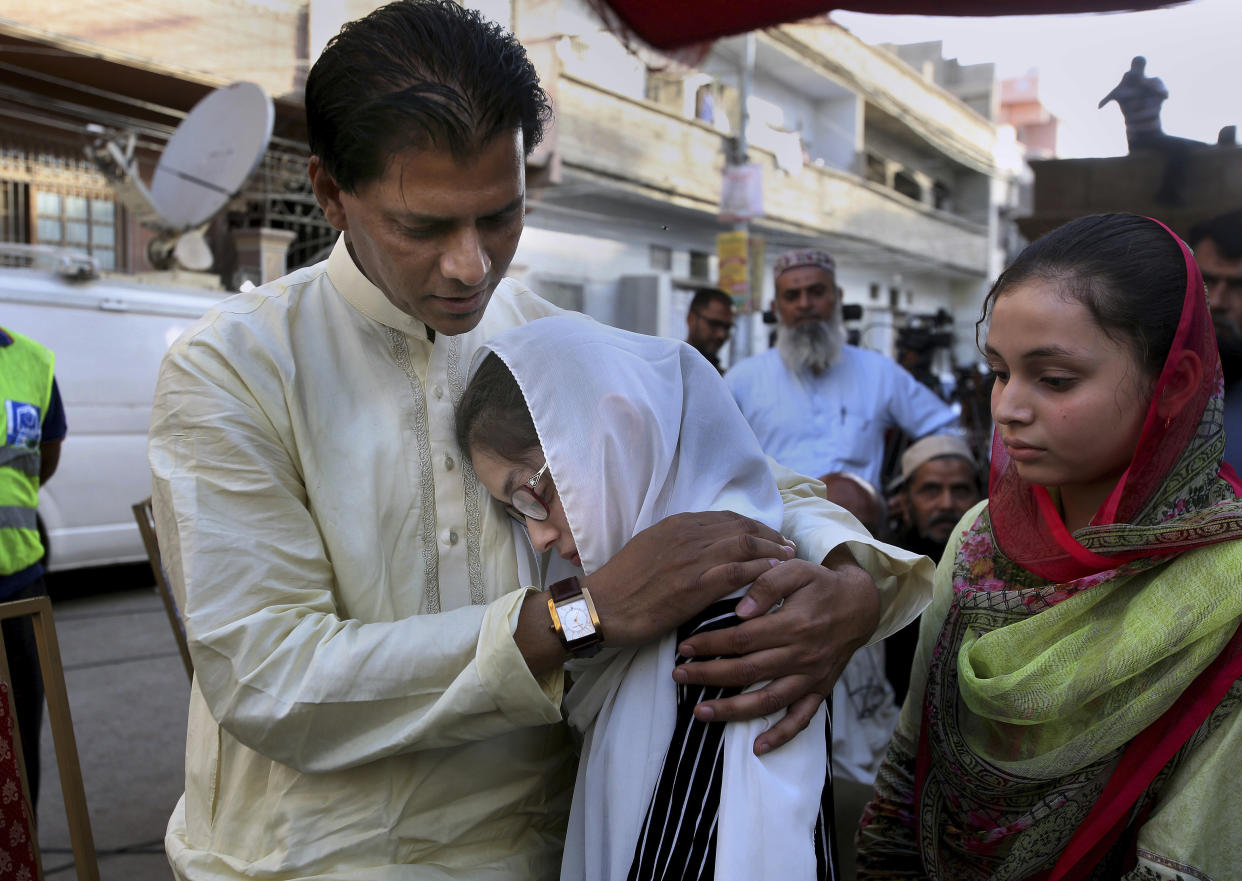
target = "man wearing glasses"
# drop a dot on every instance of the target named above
(709, 323)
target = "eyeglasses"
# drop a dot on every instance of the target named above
(715, 323)
(525, 502)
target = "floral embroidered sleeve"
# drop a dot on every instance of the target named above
(887, 848)
(886, 845)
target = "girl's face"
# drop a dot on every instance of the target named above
(504, 477)
(1069, 401)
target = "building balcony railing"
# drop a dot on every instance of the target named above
(648, 151)
(896, 89)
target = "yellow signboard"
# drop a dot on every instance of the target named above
(739, 256)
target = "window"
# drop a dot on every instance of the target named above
(875, 169)
(14, 212)
(78, 222)
(563, 294)
(906, 184)
(661, 258)
(700, 265)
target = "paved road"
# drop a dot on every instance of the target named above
(128, 694)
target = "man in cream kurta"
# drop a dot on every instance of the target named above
(364, 705)
(414, 732)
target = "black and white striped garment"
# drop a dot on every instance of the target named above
(678, 837)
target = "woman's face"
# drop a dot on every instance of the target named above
(1069, 401)
(504, 477)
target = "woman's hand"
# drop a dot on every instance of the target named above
(829, 611)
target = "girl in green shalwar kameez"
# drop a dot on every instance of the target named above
(1075, 709)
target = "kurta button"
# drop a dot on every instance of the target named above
(438, 392)
(449, 464)
(453, 537)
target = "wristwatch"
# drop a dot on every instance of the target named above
(574, 618)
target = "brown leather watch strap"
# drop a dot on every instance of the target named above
(565, 589)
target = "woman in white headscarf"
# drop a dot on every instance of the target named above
(589, 435)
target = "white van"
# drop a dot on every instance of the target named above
(109, 335)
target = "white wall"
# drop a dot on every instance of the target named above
(838, 133)
(831, 130)
(599, 256)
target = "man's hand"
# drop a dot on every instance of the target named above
(829, 612)
(675, 569)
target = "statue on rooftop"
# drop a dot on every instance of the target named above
(1139, 96)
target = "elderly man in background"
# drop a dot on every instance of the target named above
(709, 323)
(816, 404)
(938, 484)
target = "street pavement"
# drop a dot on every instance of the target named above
(128, 695)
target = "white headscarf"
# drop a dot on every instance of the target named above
(636, 428)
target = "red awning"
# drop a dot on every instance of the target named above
(673, 25)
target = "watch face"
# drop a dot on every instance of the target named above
(575, 620)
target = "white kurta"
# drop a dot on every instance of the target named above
(360, 709)
(834, 421)
(647, 429)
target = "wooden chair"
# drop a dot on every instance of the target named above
(146, 526)
(13, 765)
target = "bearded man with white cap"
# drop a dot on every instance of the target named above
(938, 484)
(816, 404)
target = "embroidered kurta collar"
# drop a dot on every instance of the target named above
(347, 278)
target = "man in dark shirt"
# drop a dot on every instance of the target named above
(1217, 244)
(709, 323)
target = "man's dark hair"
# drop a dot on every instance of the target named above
(418, 73)
(1225, 231)
(703, 297)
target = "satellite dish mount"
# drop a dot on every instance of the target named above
(204, 166)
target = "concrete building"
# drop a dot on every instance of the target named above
(1068, 188)
(65, 67)
(1035, 126)
(974, 84)
(858, 151)
(1025, 129)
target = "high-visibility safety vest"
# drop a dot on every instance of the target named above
(26, 390)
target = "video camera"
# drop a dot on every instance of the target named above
(923, 334)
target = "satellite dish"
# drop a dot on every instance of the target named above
(204, 166)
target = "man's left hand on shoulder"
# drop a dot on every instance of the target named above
(823, 614)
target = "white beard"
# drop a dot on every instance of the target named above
(812, 345)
